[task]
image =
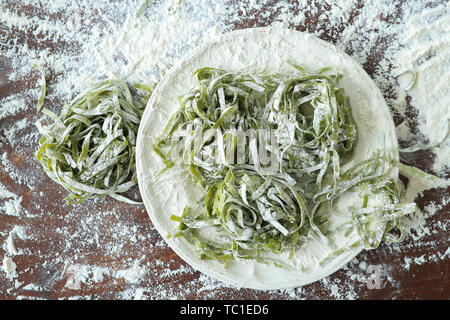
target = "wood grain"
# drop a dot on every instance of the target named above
(97, 233)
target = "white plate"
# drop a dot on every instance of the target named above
(256, 50)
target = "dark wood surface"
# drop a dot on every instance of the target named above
(98, 233)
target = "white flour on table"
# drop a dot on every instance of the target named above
(88, 39)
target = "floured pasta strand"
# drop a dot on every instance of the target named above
(90, 147)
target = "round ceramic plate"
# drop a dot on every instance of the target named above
(258, 50)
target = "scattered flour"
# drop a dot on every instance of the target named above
(77, 41)
(427, 54)
(133, 274)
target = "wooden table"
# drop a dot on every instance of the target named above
(85, 251)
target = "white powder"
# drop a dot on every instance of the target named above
(139, 294)
(9, 246)
(12, 206)
(76, 275)
(104, 37)
(427, 52)
(132, 274)
(9, 267)
(11, 133)
(5, 193)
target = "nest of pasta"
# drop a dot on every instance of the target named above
(90, 147)
(254, 212)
